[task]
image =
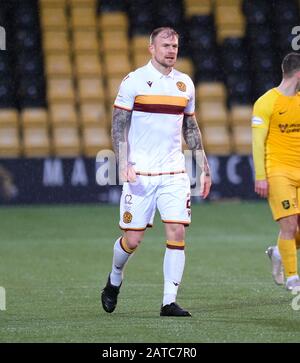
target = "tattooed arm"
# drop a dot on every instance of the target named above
(193, 138)
(120, 123)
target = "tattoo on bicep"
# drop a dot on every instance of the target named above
(120, 123)
(191, 133)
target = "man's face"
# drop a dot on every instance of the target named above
(164, 49)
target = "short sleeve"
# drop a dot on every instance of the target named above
(190, 107)
(126, 95)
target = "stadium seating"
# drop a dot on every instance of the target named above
(69, 57)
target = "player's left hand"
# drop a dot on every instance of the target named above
(205, 185)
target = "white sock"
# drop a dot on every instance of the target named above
(276, 252)
(173, 270)
(120, 258)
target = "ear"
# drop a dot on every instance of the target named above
(151, 48)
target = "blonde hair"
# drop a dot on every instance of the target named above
(170, 33)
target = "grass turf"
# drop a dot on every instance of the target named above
(55, 260)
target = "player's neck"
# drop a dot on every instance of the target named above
(162, 69)
(288, 86)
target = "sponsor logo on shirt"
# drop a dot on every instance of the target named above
(289, 128)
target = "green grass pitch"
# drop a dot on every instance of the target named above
(55, 260)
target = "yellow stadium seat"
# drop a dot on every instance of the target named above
(90, 89)
(113, 85)
(116, 65)
(54, 19)
(228, 15)
(8, 117)
(66, 142)
(58, 65)
(216, 139)
(63, 114)
(233, 32)
(85, 41)
(113, 21)
(185, 65)
(242, 139)
(196, 7)
(240, 115)
(9, 142)
(230, 21)
(88, 65)
(236, 3)
(114, 42)
(140, 44)
(56, 42)
(60, 90)
(34, 117)
(213, 113)
(140, 59)
(36, 142)
(83, 18)
(210, 91)
(93, 113)
(83, 3)
(53, 3)
(95, 139)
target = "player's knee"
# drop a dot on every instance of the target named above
(175, 232)
(288, 228)
(133, 239)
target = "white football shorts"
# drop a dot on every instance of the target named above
(169, 193)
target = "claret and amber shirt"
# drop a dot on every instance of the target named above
(158, 103)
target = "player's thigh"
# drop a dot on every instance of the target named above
(283, 199)
(137, 204)
(174, 199)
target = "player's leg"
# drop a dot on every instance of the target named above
(136, 212)
(297, 237)
(283, 203)
(174, 205)
(124, 248)
(287, 247)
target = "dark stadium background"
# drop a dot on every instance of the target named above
(64, 61)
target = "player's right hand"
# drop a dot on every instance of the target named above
(127, 174)
(262, 188)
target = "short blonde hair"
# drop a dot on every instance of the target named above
(170, 33)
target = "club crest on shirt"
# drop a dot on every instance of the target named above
(181, 86)
(127, 217)
(286, 204)
(149, 83)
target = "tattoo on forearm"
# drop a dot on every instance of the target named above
(193, 138)
(120, 123)
(191, 133)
